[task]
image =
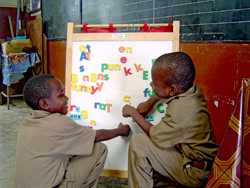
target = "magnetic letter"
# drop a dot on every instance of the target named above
(152, 93)
(138, 67)
(145, 92)
(93, 77)
(121, 49)
(158, 108)
(150, 118)
(88, 56)
(92, 122)
(104, 66)
(127, 71)
(71, 107)
(128, 49)
(75, 116)
(77, 109)
(102, 106)
(83, 56)
(123, 59)
(99, 86)
(82, 48)
(84, 114)
(93, 90)
(106, 77)
(73, 85)
(108, 107)
(85, 78)
(126, 98)
(117, 67)
(74, 77)
(145, 75)
(96, 104)
(88, 47)
(81, 68)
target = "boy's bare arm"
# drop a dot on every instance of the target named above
(107, 134)
(129, 111)
(144, 107)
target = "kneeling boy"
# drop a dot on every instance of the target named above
(52, 150)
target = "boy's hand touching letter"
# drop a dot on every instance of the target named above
(127, 110)
(125, 129)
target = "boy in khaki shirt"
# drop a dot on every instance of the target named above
(181, 148)
(52, 150)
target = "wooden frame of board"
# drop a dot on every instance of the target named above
(72, 36)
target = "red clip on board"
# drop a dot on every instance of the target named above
(111, 29)
(147, 28)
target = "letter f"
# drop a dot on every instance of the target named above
(145, 92)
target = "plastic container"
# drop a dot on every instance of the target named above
(16, 38)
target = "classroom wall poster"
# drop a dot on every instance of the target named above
(106, 75)
(33, 5)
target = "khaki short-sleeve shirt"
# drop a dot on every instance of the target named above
(187, 126)
(45, 142)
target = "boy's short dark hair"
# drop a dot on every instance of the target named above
(179, 69)
(37, 88)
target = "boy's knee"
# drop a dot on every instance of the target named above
(100, 146)
(137, 140)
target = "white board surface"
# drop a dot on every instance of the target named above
(97, 101)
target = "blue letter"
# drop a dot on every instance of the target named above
(145, 92)
(88, 47)
(81, 68)
(83, 56)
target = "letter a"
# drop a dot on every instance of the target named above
(83, 56)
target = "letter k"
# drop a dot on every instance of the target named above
(127, 71)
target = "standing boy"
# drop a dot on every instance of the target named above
(181, 147)
(52, 150)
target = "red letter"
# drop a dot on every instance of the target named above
(71, 107)
(123, 59)
(127, 71)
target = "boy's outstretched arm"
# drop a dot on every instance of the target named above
(144, 107)
(129, 111)
(107, 134)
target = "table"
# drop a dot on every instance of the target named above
(13, 67)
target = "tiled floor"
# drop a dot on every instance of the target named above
(9, 124)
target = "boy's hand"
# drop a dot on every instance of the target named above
(125, 129)
(127, 110)
(144, 108)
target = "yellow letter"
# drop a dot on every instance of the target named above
(84, 114)
(82, 48)
(92, 122)
(93, 77)
(73, 77)
(126, 98)
(117, 67)
(129, 48)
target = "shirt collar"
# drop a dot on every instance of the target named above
(39, 114)
(188, 92)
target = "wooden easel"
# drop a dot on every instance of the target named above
(73, 36)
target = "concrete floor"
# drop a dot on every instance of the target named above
(9, 124)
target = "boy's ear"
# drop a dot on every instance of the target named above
(173, 90)
(43, 105)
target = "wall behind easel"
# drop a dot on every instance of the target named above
(201, 20)
(215, 33)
